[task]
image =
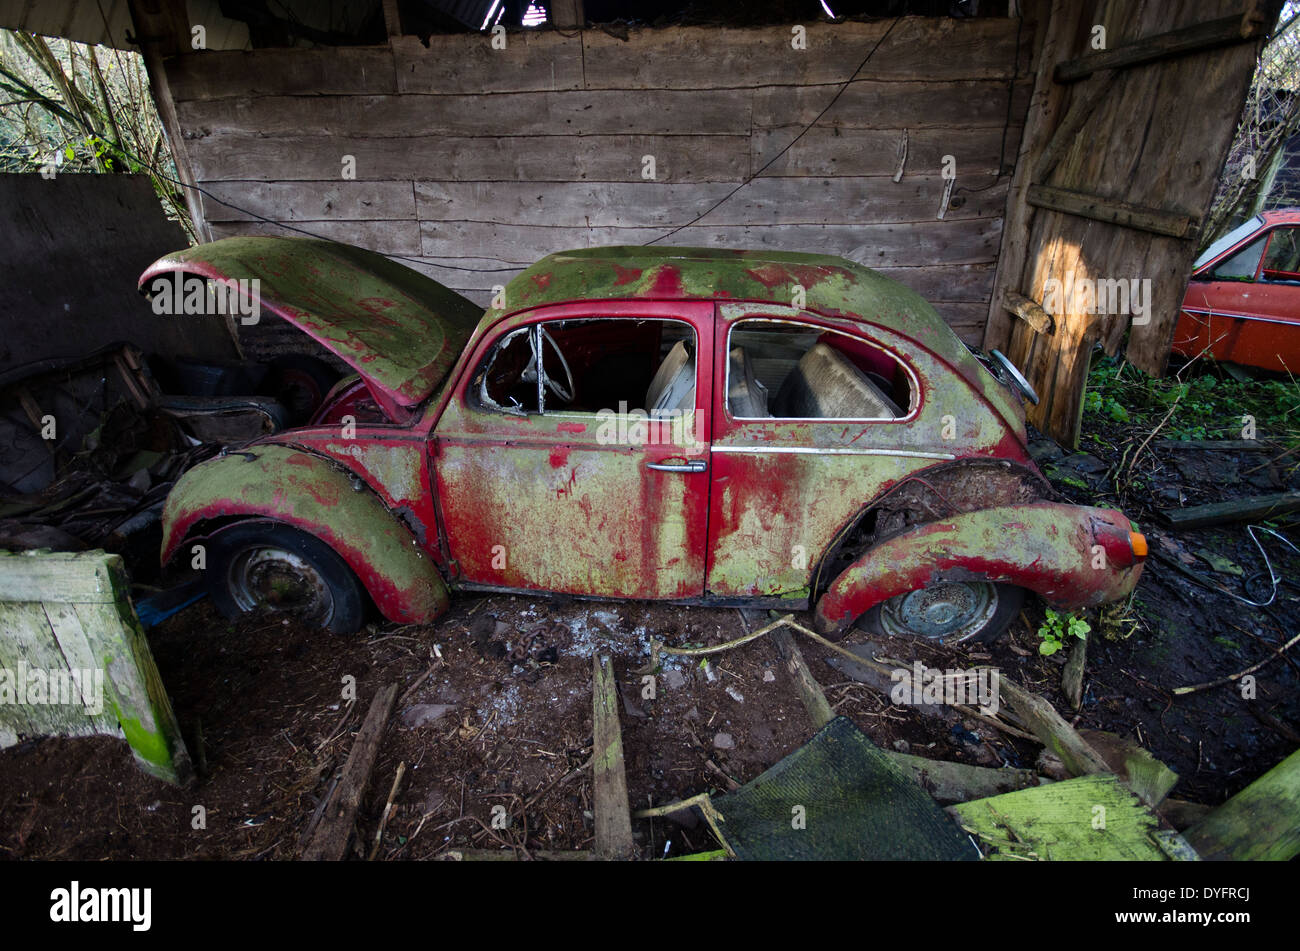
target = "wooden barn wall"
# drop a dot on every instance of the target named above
(1156, 137)
(473, 162)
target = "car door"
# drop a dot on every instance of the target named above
(792, 466)
(584, 496)
(1246, 308)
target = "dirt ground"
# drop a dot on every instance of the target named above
(503, 718)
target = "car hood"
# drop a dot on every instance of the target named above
(397, 328)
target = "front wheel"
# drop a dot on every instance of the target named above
(948, 612)
(265, 566)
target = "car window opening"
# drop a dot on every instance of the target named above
(798, 371)
(592, 365)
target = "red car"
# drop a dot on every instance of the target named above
(678, 424)
(1243, 300)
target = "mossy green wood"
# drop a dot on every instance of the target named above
(1260, 822)
(1091, 818)
(63, 612)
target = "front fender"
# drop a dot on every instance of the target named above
(1046, 547)
(310, 493)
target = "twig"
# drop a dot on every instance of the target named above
(1183, 691)
(388, 809)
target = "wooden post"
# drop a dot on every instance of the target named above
(162, 29)
(809, 690)
(567, 14)
(62, 613)
(610, 810)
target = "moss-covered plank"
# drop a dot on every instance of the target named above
(1090, 818)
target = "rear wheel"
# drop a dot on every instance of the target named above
(264, 566)
(948, 612)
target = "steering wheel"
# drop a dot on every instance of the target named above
(564, 394)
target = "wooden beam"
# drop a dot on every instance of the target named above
(959, 782)
(1225, 31)
(805, 684)
(1260, 822)
(161, 26)
(1057, 735)
(330, 841)
(567, 14)
(392, 18)
(1113, 211)
(1030, 311)
(610, 810)
(1238, 510)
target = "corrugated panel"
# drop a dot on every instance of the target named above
(88, 21)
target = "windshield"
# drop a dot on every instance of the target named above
(1227, 241)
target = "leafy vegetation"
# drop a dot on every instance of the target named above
(1057, 627)
(1209, 405)
(69, 107)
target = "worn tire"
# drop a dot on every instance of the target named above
(980, 612)
(268, 566)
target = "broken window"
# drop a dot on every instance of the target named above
(592, 364)
(786, 370)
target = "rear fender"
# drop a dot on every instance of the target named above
(311, 494)
(1071, 555)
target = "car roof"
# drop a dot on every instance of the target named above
(832, 286)
(1289, 216)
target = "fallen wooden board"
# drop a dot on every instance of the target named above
(959, 782)
(330, 840)
(1091, 818)
(1238, 510)
(610, 811)
(1260, 822)
(805, 684)
(1149, 778)
(1057, 735)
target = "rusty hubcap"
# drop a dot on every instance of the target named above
(951, 611)
(277, 580)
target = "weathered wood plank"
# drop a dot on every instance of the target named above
(867, 104)
(833, 152)
(1113, 211)
(874, 245)
(533, 61)
(386, 237)
(329, 842)
(613, 158)
(805, 684)
(960, 782)
(580, 112)
(1092, 818)
(309, 201)
(337, 70)
(1238, 510)
(610, 809)
(1262, 822)
(79, 577)
(773, 201)
(700, 57)
(1225, 31)
(1054, 733)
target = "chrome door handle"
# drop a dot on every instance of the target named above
(695, 465)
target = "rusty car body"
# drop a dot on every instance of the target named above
(690, 425)
(1242, 303)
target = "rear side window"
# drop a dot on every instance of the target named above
(1242, 265)
(783, 370)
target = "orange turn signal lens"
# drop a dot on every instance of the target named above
(1138, 542)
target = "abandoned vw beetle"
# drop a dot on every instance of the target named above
(673, 424)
